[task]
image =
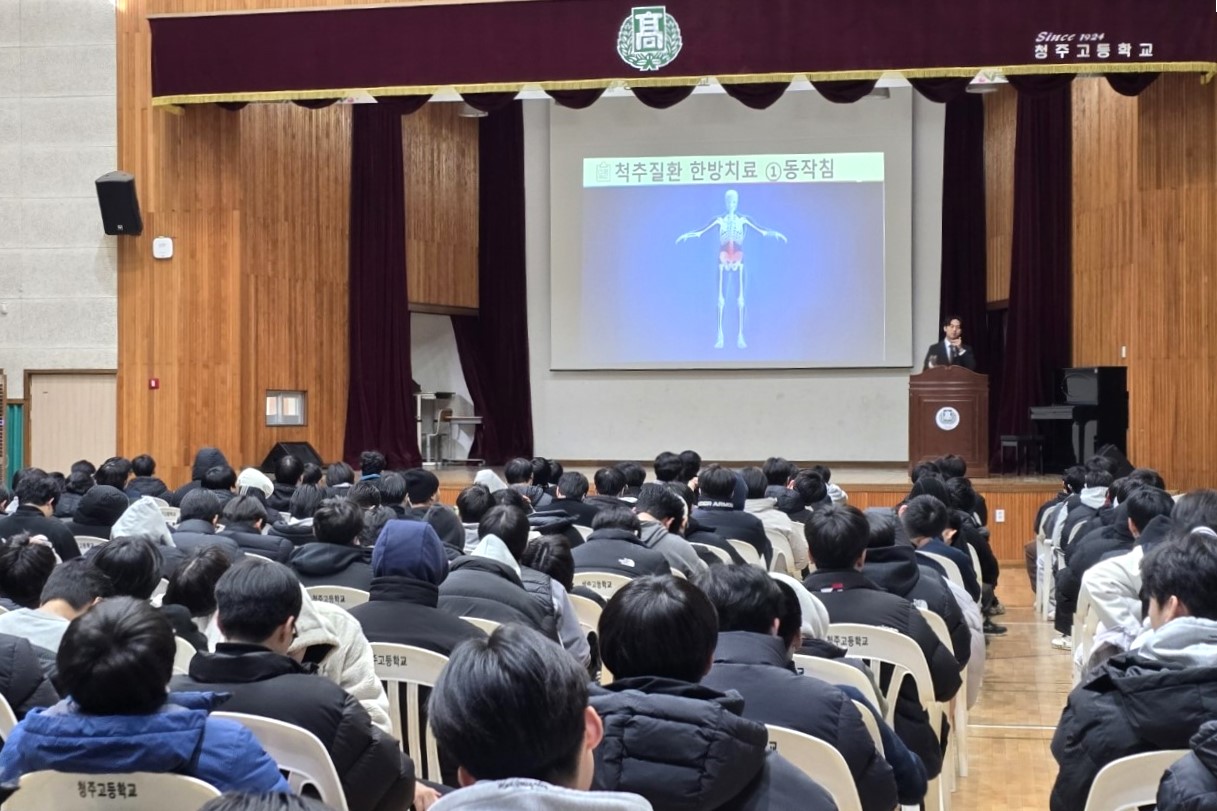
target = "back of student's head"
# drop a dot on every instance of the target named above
(254, 597)
(925, 517)
(35, 487)
(421, 485)
(244, 510)
(143, 465)
(1099, 477)
(811, 487)
(288, 470)
(686, 494)
(551, 555)
(371, 463)
(518, 471)
(755, 481)
(1147, 475)
(1146, 503)
(657, 501)
(617, 517)
(245, 801)
(1186, 570)
(543, 471)
(114, 472)
(219, 477)
(24, 569)
(392, 489)
(509, 524)
(117, 658)
(690, 463)
(337, 521)
(658, 626)
(78, 483)
(837, 536)
(83, 466)
(1197, 508)
(132, 564)
(779, 471)
(716, 483)
(304, 501)
(1074, 479)
(963, 496)
(374, 521)
(193, 582)
(745, 597)
(365, 494)
(573, 485)
(76, 582)
(474, 502)
(513, 705)
(882, 529)
(312, 474)
(201, 505)
(790, 620)
(635, 474)
(338, 473)
(511, 496)
(609, 481)
(668, 466)
(952, 466)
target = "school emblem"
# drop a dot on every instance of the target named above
(649, 38)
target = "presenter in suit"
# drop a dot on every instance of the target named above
(951, 350)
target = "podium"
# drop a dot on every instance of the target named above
(949, 413)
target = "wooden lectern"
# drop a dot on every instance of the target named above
(949, 413)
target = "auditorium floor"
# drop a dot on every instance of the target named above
(1026, 684)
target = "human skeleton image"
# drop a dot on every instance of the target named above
(732, 228)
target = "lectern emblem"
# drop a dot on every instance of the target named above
(947, 418)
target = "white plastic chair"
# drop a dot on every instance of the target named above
(780, 545)
(488, 626)
(1130, 782)
(678, 574)
(588, 611)
(748, 552)
(721, 554)
(948, 565)
(605, 584)
(959, 717)
(181, 659)
(172, 515)
(779, 563)
(975, 561)
(341, 596)
(406, 668)
(835, 672)
(131, 791)
(819, 761)
(3, 610)
(8, 718)
(87, 542)
(871, 723)
(158, 501)
(298, 752)
(583, 531)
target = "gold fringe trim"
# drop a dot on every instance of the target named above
(1207, 70)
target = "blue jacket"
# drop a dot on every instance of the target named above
(179, 738)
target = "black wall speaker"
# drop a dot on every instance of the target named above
(301, 450)
(1123, 466)
(119, 204)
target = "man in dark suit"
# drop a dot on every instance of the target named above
(951, 350)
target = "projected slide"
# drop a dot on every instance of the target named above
(733, 259)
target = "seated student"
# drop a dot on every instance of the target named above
(143, 521)
(662, 515)
(779, 473)
(257, 603)
(25, 566)
(779, 529)
(519, 473)
(805, 493)
(71, 590)
(338, 478)
(243, 518)
(473, 502)
(313, 474)
(571, 493)
(246, 801)
(23, 681)
(925, 518)
(408, 566)
(717, 511)
(615, 545)
(145, 482)
(114, 665)
(551, 555)
(422, 487)
(374, 520)
(134, 567)
(36, 494)
(74, 487)
(371, 465)
(205, 458)
(253, 482)
(335, 557)
(695, 533)
(114, 472)
(838, 537)
(288, 471)
(193, 586)
(667, 467)
(1156, 696)
(690, 464)
(835, 493)
(98, 511)
(635, 478)
(392, 487)
(1191, 783)
(196, 528)
(610, 487)
(513, 713)
(751, 659)
(221, 480)
(297, 527)
(366, 494)
(681, 744)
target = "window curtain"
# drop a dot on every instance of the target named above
(493, 345)
(380, 399)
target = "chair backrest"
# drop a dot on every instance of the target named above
(3, 610)
(939, 626)
(87, 542)
(835, 672)
(298, 752)
(871, 723)
(721, 554)
(819, 761)
(588, 611)
(158, 501)
(8, 718)
(780, 545)
(582, 530)
(1131, 781)
(158, 593)
(486, 625)
(605, 584)
(948, 566)
(679, 574)
(886, 646)
(779, 563)
(256, 556)
(748, 552)
(130, 791)
(172, 515)
(405, 669)
(181, 659)
(341, 596)
(975, 561)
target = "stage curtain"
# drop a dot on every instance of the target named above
(1039, 330)
(493, 345)
(488, 102)
(963, 221)
(942, 89)
(756, 96)
(576, 99)
(661, 98)
(380, 399)
(845, 92)
(1130, 84)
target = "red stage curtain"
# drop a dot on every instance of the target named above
(380, 399)
(493, 345)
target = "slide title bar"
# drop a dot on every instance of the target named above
(696, 170)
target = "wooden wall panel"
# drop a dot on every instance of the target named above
(1000, 117)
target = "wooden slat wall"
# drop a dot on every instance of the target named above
(1000, 110)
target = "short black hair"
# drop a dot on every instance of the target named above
(312, 474)
(778, 471)
(83, 466)
(717, 483)
(925, 517)
(219, 477)
(1074, 478)
(337, 521)
(288, 470)
(78, 482)
(790, 621)
(551, 555)
(953, 466)
(371, 463)
(365, 494)
(635, 474)
(114, 472)
(745, 597)
(837, 536)
(421, 485)
(374, 521)
(1185, 568)
(543, 471)
(573, 485)
(824, 471)
(200, 504)
(117, 658)
(690, 462)
(246, 801)
(755, 481)
(392, 488)
(617, 517)
(658, 626)
(946, 322)
(511, 705)
(132, 564)
(254, 597)
(1122, 488)
(77, 582)
(1147, 475)
(474, 502)
(923, 469)
(24, 569)
(810, 487)
(305, 501)
(668, 466)
(512, 496)
(1099, 477)
(518, 471)
(36, 488)
(143, 465)
(657, 501)
(963, 496)
(339, 473)
(554, 471)
(1145, 503)
(882, 529)
(243, 510)
(609, 482)
(1197, 508)
(193, 583)
(510, 524)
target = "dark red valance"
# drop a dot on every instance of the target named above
(494, 47)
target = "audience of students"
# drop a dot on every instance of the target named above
(25, 565)
(720, 509)
(71, 590)
(616, 546)
(198, 522)
(145, 482)
(98, 511)
(335, 557)
(36, 493)
(244, 518)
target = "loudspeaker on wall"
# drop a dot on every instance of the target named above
(301, 450)
(119, 204)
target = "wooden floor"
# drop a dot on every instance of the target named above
(1011, 726)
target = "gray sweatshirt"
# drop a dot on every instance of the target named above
(518, 794)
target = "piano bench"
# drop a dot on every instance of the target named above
(1028, 453)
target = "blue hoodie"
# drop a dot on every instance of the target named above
(62, 738)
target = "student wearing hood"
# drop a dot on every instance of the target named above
(98, 511)
(143, 520)
(206, 458)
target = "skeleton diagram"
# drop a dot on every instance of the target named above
(732, 228)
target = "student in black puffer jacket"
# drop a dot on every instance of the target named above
(1191, 784)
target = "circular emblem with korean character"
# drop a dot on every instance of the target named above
(649, 38)
(947, 418)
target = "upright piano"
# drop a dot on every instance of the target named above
(1090, 410)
